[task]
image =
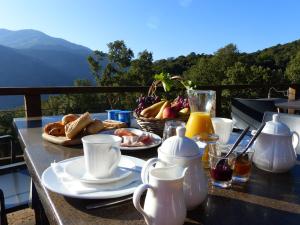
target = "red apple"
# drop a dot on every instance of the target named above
(169, 112)
(177, 106)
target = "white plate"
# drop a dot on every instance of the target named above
(76, 169)
(53, 183)
(156, 139)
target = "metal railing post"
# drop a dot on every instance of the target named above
(33, 106)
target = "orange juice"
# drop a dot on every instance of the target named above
(199, 123)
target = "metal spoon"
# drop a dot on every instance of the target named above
(253, 139)
(234, 145)
(238, 141)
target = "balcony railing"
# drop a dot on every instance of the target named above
(32, 95)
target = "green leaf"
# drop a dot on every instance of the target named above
(168, 83)
(189, 85)
(165, 79)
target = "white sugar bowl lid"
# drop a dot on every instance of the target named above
(276, 127)
(179, 145)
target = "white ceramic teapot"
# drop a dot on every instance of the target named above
(182, 151)
(274, 149)
(164, 203)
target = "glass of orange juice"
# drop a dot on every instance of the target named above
(199, 123)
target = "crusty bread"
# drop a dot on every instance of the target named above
(114, 124)
(72, 129)
(69, 118)
(55, 129)
(95, 127)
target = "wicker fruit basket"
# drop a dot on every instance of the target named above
(156, 125)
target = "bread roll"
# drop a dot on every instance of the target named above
(74, 128)
(55, 129)
(114, 124)
(69, 118)
(95, 127)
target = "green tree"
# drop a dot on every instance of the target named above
(119, 54)
(95, 61)
(293, 69)
(212, 70)
(141, 69)
(205, 72)
(237, 74)
(119, 57)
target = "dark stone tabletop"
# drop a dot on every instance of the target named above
(266, 199)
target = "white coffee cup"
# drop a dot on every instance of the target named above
(101, 154)
(223, 128)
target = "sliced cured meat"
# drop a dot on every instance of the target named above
(124, 132)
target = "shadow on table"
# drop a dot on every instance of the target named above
(279, 186)
(122, 211)
(219, 210)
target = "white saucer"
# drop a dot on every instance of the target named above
(111, 190)
(76, 169)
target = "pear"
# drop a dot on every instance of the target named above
(184, 112)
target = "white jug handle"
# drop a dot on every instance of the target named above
(295, 141)
(145, 169)
(137, 200)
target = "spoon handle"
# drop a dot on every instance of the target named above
(238, 141)
(254, 137)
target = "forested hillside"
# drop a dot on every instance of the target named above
(277, 64)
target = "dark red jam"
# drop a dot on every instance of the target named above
(222, 172)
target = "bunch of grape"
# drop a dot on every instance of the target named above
(144, 102)
(180, 102)
(185, 103)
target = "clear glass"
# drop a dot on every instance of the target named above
(243, 166)
(170, 128)
(210, 146)
(199, 122)
(221, 167)
(223, 128)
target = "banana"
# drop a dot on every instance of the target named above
(152, 110)
(160, 113)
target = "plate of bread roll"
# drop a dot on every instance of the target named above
(72, 128)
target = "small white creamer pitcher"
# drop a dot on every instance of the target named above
(164, 203)
(184, 152)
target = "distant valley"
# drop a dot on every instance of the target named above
(32, 58)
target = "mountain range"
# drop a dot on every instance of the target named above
(32, 58)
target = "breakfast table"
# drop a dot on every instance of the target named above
(265, 199)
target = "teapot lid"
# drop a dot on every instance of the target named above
(180, 145)
(276, 127)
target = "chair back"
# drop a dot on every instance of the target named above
(291, 120)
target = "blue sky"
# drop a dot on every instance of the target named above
(168, 28)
